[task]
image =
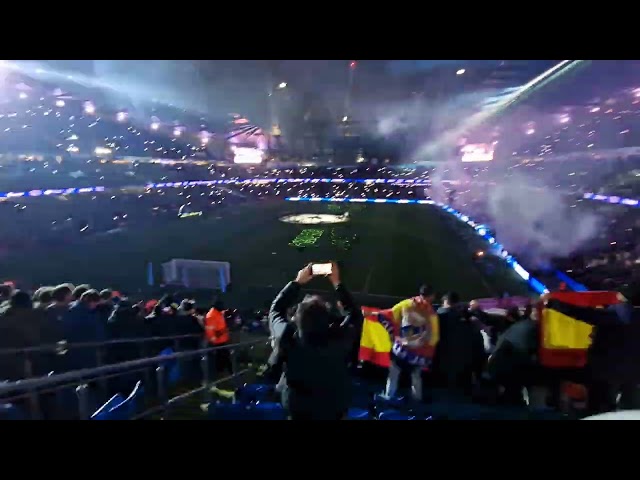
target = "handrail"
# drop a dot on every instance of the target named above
(67, 346)
(88, 373)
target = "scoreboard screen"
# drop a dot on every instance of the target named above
(247, 156)
(476, 152)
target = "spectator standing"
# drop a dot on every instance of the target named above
(313, 349)
(459, 355)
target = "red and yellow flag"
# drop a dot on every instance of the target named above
(564, 340)
(377, 337)
(380, 327)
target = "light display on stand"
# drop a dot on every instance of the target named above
(247, 156)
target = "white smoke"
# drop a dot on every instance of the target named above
(429, 127)
(537, 220)
(533, 219)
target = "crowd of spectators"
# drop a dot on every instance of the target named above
(66, 315)
(471, 357)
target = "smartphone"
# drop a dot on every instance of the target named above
(321, 269)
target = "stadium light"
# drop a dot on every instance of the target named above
(121, 116)
(89, 108)
(155, 126)
(282, 85)
(461, 71)
(102, 151)
(60, 103)
(23, 95)
(177, 132)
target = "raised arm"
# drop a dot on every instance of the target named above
(285, 300)
(592, 316)
(484, 319)
(353, 317)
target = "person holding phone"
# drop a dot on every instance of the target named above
(312, 351)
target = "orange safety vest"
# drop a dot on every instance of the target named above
(215, 327)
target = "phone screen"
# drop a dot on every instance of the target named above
(321, 269)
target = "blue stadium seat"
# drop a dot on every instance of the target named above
(394, 415)
(358, 414)
(393, 402)
(362, 399)
(8, 411)
(230, 411)
(172, 367)
(362, 394)
(126, 409)
(243, 411)
(256, 392)
(270, 411)
(104, 412)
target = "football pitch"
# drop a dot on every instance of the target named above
(386, 252)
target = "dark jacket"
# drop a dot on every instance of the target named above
(187, 324)
(104, 310)
(125, 323)
(160, 324)
(22, 328)
(82, 325)
(614, 354)
(460, 351)
(498, 324)
(56, 313)
(515, 354)
(316, 379)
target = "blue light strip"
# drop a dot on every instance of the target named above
(236, 181)
(265, 181)
(613, 199)
(480, 229)
(358, 200)
(571, 283)
(51, 192)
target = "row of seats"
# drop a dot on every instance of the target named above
(259, 402)
(118, 407)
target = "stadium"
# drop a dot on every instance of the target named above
(511, 181)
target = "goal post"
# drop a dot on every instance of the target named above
(197, 274)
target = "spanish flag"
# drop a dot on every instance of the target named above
(564, 341)
(380, 328)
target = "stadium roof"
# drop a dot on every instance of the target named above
(107, 99)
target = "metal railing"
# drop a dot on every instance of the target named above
(30, 392)
(101, 349)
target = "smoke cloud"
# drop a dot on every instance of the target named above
(539, 223)
(533, 219)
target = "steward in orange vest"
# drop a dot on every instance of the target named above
(215, 326)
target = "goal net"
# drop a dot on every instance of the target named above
(197, 274)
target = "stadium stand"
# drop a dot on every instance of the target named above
(72, 169)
